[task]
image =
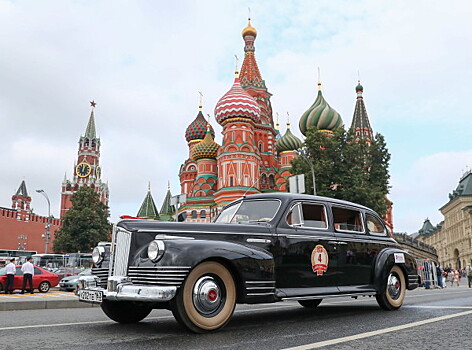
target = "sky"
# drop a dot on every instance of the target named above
(144, 62)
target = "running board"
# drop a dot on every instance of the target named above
(326, 296)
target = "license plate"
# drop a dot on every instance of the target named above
(91, 296)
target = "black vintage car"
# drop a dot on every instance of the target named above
(260, 249)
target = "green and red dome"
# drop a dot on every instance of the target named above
(207, 148)
(321, 115)
(288, 142)
(197, 129)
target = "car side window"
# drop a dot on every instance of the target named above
(18, 271)
(294, 217)
(314, 216)
(346, 219)
(308, 215)
(37, 271)
(375, 226)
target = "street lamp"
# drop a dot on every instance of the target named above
(48, 225)
(303, 153)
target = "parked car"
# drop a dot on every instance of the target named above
(69, 283)
(43, 279)
(67, 271)
(260, 249)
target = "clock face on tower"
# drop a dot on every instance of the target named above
(83, 169)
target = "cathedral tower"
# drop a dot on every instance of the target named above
(87, 171)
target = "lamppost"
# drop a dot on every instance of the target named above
(303, 153)
(48, 225)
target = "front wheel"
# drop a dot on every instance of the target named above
(44, 287)
(311, 304)
(125, 311)
(207, 299)
(394, 294)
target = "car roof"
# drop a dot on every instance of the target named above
(285, 196)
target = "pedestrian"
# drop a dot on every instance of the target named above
(457, 277)
(28, 273)
(439, 275)
(450, 277)
(469, 275)
(11, 270)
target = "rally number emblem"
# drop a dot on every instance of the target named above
(319, 260)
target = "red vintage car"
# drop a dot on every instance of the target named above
(43, 280)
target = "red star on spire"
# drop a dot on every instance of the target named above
(93, 103)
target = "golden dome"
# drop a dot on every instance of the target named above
(249, 30)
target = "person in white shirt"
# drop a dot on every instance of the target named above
(11, 270)
(28, 272)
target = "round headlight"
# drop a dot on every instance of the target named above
(98, 254)
(156, 250)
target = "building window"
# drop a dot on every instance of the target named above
(231, 184)
(194, 214)
(203, 214)
(271, 181)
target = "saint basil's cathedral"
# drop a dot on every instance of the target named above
(253, 156)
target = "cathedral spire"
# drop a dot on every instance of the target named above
(90, 132)
(250, 75)
(22, 191)
(360, 120)
(148, 209)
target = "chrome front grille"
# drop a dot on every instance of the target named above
(255, 288)
(162, 275)
(102, 274)
(121, 242)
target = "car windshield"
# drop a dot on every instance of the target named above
(249, 211)
(86, 272)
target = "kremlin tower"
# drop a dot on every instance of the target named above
(87, 171)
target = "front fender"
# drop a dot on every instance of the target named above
(386, 260)
(246, 263)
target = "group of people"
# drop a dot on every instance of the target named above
(28, 272)
(453, 276)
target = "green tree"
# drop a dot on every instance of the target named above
(347, 168)
(85, 224)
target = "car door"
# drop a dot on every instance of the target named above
(355, 252)
(38, 277)
(306, 261)
(18, 280)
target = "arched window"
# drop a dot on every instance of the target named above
(263, 180)
(203, 214)
(194, 214)
(271, 181)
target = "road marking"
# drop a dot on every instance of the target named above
(377, 332)
(109, 321)
(435, 307)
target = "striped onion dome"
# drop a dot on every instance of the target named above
(207, 148)
(237, 103)
(321, 115)
(288, 142)
(197, 129)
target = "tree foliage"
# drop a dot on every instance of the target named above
(346, 168)
(85, 224)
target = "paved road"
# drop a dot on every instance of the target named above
(429, 319)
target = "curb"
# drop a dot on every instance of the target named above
(42, 304)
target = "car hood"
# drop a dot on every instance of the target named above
(70, 278)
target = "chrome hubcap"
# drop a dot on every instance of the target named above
(393, 286)
(207, 296)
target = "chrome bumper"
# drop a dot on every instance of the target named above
(121, 288)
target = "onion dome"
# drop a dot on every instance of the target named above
(249, 30)
(321, 115)
(237, 103)
(288, 142)
(359, 87)
(197, 129)
(207, 148)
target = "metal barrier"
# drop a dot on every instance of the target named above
(427, 270)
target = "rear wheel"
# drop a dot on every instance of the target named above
(311, 304)
(207, 299)
(44, 287)
(125, 311)
(394, 294)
